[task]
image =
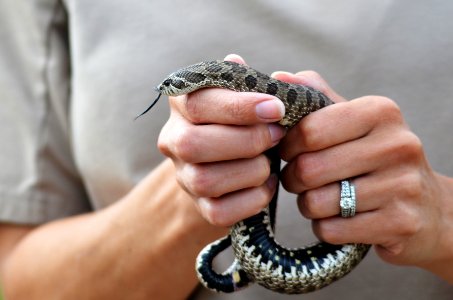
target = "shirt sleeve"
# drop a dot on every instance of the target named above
(39, 181)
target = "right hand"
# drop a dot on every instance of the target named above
(216, 138)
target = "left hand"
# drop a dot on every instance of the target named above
(402, 204)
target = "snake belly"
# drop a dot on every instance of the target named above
(258, 256)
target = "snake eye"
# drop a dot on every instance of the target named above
(167, 82)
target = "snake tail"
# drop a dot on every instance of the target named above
(231, 280)
(290, 271)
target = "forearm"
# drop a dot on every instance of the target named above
(141, 247)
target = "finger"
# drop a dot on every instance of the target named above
(216, 179)
(315, 169)
(208, 143)
(385, 227)
(338, 124)
(312, 79)
(383, 148)
(378, 190)
(324, 202)
(359, 229)
(233, 207)
(223, 106)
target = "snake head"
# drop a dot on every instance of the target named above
(174, 86)
(162, 88)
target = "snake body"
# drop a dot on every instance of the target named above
(258, 256)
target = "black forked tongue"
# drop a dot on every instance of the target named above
(149, 108)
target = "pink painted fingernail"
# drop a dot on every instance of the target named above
(270, 110)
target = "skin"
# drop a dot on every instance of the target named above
(215, 138)
(126, 251)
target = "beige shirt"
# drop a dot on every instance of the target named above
(73, 75)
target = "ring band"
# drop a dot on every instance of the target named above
(347, 199)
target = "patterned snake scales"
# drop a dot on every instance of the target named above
(259, 257)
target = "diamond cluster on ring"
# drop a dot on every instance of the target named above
(347, 199)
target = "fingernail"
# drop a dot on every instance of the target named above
(272, 181)
(277, 73)
(277, 132)
(270, 110)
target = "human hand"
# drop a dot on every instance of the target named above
(402, 204)
(216, 138)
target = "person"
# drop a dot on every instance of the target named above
(88, 209)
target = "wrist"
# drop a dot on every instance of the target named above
(159, 222)
(159, 196)
(442, 262)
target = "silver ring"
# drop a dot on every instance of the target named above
(347, 199)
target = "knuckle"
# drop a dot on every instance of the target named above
(199, 181)
(407, 223)
(185, 144)
(410, 186)
(387, 108)
(306, 170)
(163, 145)
(165, 139)
(309, 133)
(391, 253)
(412, 146)
(384, 103)
(407, 147)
